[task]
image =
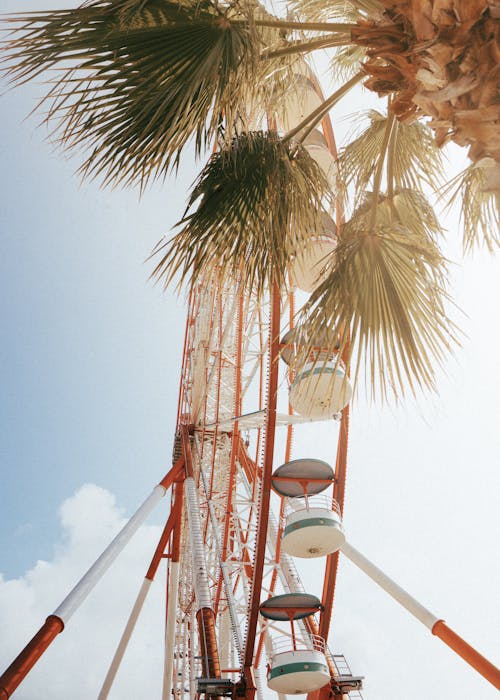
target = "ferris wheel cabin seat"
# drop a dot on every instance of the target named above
(295, 665)
(310, 267)
(317, 147)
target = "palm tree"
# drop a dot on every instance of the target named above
(138, 79)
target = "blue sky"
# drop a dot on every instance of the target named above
(89, 371)
(91, 349)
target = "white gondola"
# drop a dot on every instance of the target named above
(300, 670)
(296, 664)
(320, 389)
(311, 266)
(300, 100)
(313, 528)
(317, 147)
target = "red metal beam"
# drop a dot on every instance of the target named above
(174, 474)
(338, 495)
(205, 618)
(176, 539)
(468, 653)
(22, 665)
(265, 492)
(172, 522)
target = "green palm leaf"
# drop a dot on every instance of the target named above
(142, 78)
(384, 299)
(259, 200)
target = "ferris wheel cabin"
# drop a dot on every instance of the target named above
(317, 147)
(320, 387)
(310, 267)
(313, 525)
(296, 665)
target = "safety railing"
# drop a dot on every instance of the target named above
(294, 505)
(284, 643)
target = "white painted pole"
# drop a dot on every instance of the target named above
(199, 565)
(127, 633)
(260, 684)
(435, 624)
(391, 587)
(173, 588)
(193, 671)
(82, 589)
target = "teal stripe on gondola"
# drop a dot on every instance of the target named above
(310, 522)
(295, 668)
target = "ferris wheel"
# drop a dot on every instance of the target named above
(246, 514)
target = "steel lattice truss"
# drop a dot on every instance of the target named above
(224, 385)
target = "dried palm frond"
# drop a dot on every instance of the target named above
(439, 58)
(413, 158)
(407, 208)
(138, 79)
(480, 208)
(259, 200)
(346, 10)
(386, 294)
(346, 62)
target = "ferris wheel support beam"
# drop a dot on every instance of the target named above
(172, 598)
(140, 600)
(54, 624)
(436, 625)
(338, 495)
(265, 492)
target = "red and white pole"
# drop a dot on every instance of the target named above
(139, 603)
(54, 624)
(433, 623)
(172, 596)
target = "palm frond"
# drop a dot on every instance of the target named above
(407, 208)
(259, 200)
(416, 160)
(139, 78)
(345, 10)
(479, 208)
(386, 294)
(346, 62)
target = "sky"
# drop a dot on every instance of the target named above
(89, 370)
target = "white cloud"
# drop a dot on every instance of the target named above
(398, 657)
(74, 666)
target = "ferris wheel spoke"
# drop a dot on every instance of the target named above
(265, 486)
